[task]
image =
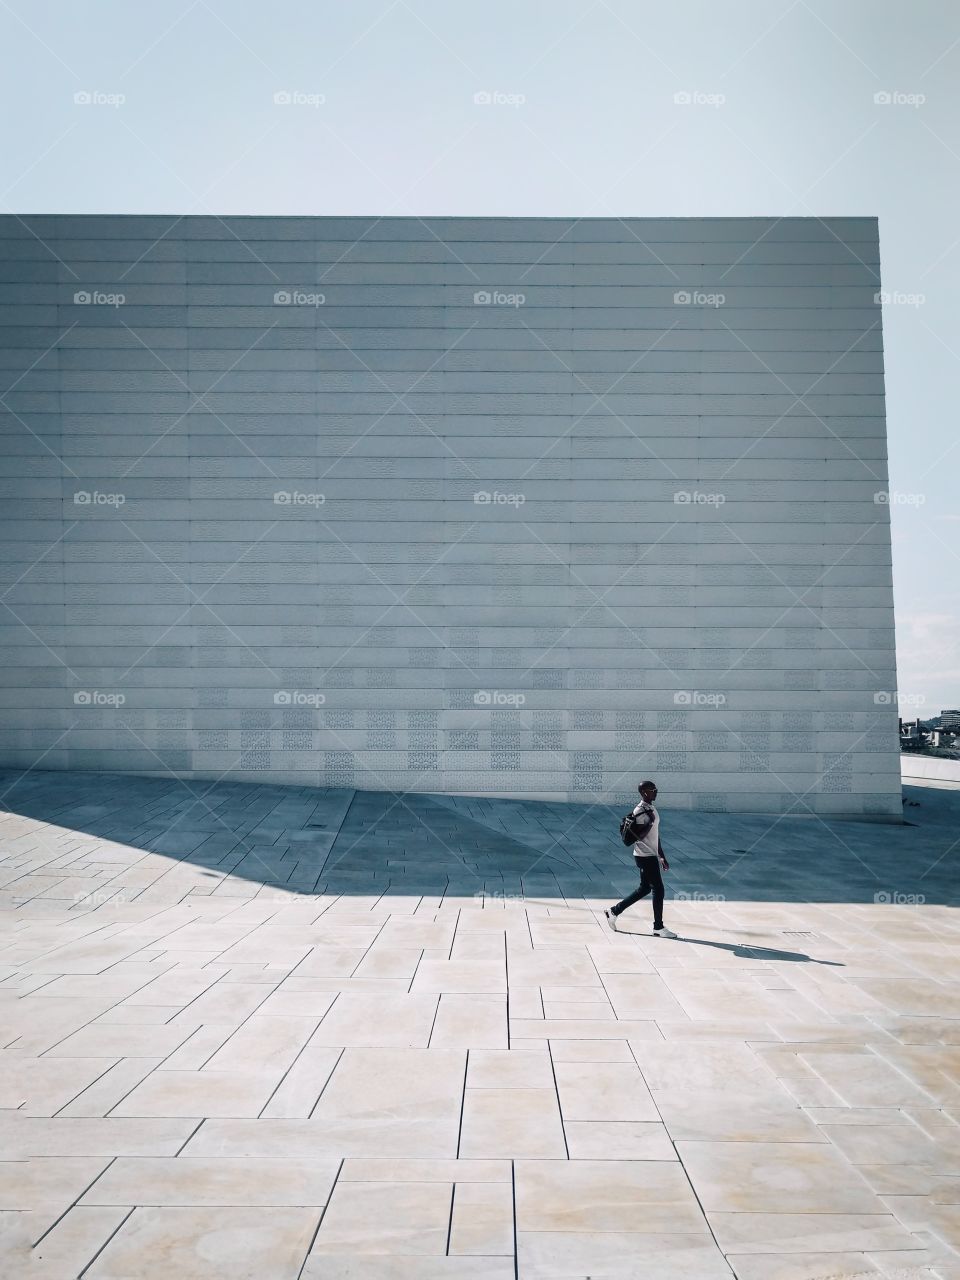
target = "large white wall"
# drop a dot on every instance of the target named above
(616, 614)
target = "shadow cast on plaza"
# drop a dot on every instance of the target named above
(744, 951)
(310, 840)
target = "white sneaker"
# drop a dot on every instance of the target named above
(664, 933)
(611, 919)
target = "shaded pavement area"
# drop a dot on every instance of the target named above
(267, 1031)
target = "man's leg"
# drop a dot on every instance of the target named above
(640, 892)
(654, 880)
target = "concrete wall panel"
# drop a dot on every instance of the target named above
(522, 507)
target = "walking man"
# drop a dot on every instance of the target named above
(648, 853)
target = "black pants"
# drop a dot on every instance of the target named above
(650, 879)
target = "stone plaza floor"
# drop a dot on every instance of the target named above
(284, 1033)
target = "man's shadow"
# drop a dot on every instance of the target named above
(747, 952)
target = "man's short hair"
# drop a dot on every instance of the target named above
(648, 783)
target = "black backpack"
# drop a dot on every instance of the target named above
(628, 833)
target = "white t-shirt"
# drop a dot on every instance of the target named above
(648, 844)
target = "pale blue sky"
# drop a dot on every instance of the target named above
(797, 133)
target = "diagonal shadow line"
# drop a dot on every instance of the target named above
(782, 615)
(198, 399)
(398, 398)
(40, 558)
(26, 425)
(799, 399)
(400, 601)
(799, 600)
(447, 802)
(200, 601)
(600, 602)
(599, 398)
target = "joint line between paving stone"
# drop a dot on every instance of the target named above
(556, 1089)
(506, 976)
(269, 992)
(122, 1223)
(56, 1222)
(463, 1101)
(298, 1055)
(369, 948)
(453, 1194)
(190, 1138)
(513, 1194)
(105, 1072)
(436, 1014)
(325, 1083)
(416, 968)
(313, 1239)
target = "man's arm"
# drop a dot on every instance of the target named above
(642, 822)
(662, 856)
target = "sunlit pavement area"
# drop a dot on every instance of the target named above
(254, 1031)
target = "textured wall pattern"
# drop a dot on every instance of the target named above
(501, 506)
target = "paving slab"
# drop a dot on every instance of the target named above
(186, 1181)
(208, 1244)
(604, 1195)
(511, 1123)
(386, 1218)
(775, 1177)
(327, 1054)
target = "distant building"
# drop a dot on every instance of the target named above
(912, 735)
(922, 735)
(950, 720)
